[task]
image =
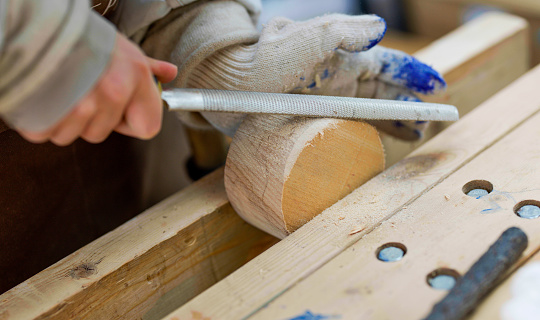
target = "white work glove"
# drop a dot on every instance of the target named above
(329, 55)
(215, 45)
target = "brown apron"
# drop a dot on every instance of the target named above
(53, 200)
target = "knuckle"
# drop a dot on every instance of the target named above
(84, 110)
(97, 132)
(115, 91)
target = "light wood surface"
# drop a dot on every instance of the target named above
(517, 6)
(190, 241)
(175, 250)
(435, 18)
(490, 308)
(476, 60)
(444, 228)
(271, 274)
(271, 188)
(282, 171)
(404, 41)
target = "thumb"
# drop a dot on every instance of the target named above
(323, 35)
(292, 50)
(164, 71)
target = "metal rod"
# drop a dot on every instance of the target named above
(481, 277)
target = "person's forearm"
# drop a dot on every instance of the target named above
(52, 53)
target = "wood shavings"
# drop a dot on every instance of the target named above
(446, 197)
(341, 218)
(357, 230)
(317, 81)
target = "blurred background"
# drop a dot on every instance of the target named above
(412, 23)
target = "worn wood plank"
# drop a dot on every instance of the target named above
(444, 228)
(272, 273)
(477, 60)
(191, 239)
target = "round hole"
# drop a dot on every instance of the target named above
(477, 188)
(391, 252)
(528, 209)
(442, 279)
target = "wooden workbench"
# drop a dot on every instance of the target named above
(187, 257)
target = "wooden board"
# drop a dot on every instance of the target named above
(435, 18)
(490, 308)
(444, 228)
(138, 274)
(191, 240)
(406, 42)
(272, 273)
(476, 60)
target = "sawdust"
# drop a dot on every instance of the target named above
(357, 230)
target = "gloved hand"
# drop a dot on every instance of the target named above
(329, 55)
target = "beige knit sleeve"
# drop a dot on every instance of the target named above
(51, 54)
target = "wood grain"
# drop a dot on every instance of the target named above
(435, 18)
(476, 60)
(192, 240)
(265, 278)
(282, 171)
(444, 228)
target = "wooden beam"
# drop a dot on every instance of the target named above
(435, 18)
(190, 240)
(265, 278)
(476, 60)
(444, 229)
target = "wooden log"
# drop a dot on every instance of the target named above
(282, 171)
(445, 231)
(189, 241)
(272, 189)
(252, 287)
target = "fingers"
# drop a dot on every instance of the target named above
(35, 137)
(72, 126)
(67, 130)
(404, 70)
(164, 71)
(401, 129)
(142, 118)
(323, 35)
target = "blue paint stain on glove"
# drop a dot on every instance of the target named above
(375, 41)
(403, 70)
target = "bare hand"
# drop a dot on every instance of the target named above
(126, 100)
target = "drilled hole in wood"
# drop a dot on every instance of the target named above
(442, 278)
(477, 188)
(528, 209)
(391, 252)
